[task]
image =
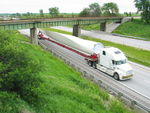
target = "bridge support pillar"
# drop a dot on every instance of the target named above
(76, 30)
(119, 21)
(33, 35)
(103, 26)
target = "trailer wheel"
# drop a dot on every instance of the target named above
(94, 65)
(90, 63)
(116, 76)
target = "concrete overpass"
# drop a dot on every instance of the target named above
(33, 24)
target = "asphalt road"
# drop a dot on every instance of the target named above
(136, 84)
(142, 74)
(139, 83)
(108, 37)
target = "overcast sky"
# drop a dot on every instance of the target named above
(65, 6)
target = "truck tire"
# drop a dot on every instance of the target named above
(87, 62)
(94, 65)
(90, 63)
(116, 76)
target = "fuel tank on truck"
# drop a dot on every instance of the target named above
(84, 46)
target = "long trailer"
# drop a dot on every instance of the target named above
(107, 59)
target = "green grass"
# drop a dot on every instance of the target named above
(63, 89)
(91, 27)
(57, 30)
(12, 103)
(134, 28)
(134, 54)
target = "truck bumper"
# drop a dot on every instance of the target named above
(126, 77)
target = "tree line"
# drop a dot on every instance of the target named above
(143, 7)
(108, 9)
(94, 9)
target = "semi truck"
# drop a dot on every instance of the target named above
(110, 60)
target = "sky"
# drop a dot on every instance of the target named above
(65, 6)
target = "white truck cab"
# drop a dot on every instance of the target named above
(113, 61)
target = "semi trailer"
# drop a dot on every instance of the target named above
(110, 60)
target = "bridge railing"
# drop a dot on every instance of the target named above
(40, 23)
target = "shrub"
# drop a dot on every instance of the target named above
(11, 103)
(18, 71)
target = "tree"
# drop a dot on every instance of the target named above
(110, 9)
(54, 11)
(41, 12)
(93, 10)
(85, 12)
(28, 14)
(144, 7)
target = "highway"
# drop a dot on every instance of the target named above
(141, 79)
(137, 87)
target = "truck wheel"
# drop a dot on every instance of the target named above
(90, 63)
(87, 62)
(116, 76)
(94, 65)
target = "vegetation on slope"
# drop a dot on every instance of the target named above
(135, 28)
(134, 54)
(91, 27)
(33, 80)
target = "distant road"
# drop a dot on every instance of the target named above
(108, 37)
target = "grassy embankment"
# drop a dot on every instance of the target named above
(134, 54)
(91, 27)
(135, 28)
(58, 88)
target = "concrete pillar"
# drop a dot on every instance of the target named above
(103, 26)
(119, 21)
(33, 35)
(76, 30)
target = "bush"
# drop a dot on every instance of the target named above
(118, 107)
(11, 103)
(18, 72)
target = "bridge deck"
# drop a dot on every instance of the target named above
(32, 23)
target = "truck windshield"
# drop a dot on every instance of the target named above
(120, 62)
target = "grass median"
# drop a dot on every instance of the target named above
(135, 28)
(134, 54)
